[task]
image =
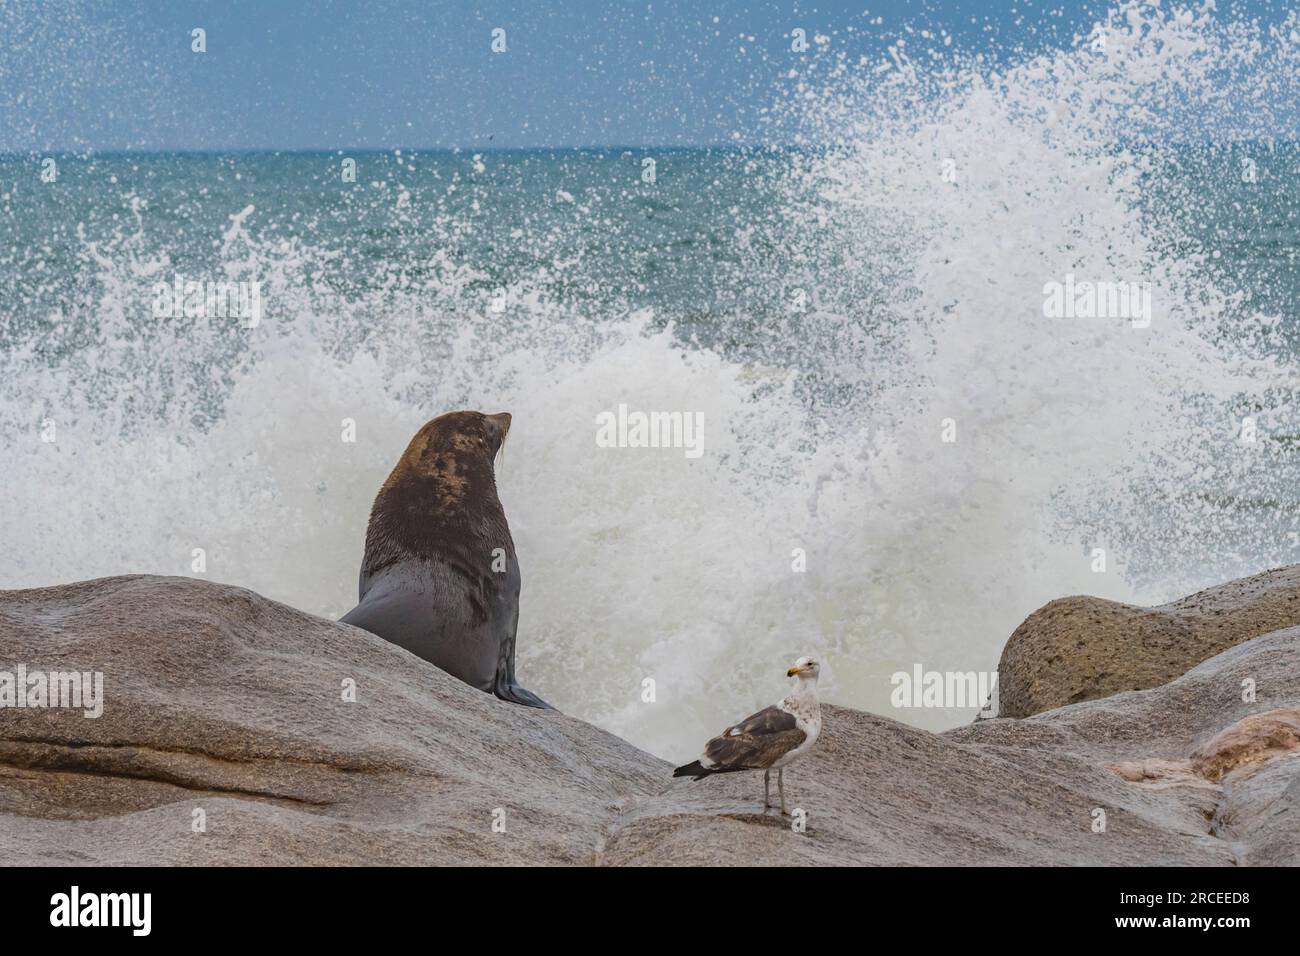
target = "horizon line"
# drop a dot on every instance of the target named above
(1268, 142)
(318, 150)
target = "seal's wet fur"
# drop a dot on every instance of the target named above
(439, 576)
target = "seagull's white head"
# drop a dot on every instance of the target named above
(805, 668)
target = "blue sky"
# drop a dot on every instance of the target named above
(421, 73)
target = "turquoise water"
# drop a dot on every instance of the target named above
(709, 246)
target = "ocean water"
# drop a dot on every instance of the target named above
(833, 308)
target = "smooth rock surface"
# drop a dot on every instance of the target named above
(1084, 648)
(223, 701)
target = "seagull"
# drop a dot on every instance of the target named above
(772, 738)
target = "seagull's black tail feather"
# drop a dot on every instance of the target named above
(695, 770)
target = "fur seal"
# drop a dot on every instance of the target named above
(439, 575)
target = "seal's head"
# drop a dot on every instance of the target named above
(458, 433)
(455, 452)
(442, 492)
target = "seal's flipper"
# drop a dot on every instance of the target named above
(506, 685)
(517, 695)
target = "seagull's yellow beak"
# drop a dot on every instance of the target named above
(791, 672)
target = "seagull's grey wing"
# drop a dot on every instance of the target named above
(756, 742)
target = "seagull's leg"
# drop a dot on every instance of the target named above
(780, 786)
(767, 788)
